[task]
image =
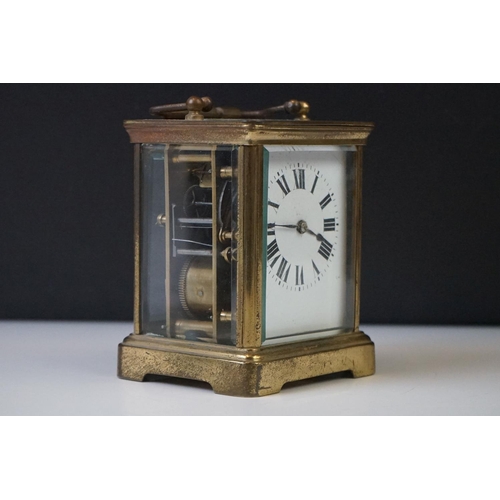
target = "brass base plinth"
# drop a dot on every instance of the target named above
(245, 372)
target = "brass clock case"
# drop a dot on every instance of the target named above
(246, 368)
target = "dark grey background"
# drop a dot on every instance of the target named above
(431, 188)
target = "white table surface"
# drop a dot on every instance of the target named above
(69, 368)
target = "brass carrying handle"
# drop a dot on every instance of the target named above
(198, 108)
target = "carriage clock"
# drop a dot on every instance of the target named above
(247, 247)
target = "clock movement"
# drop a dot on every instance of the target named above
(247, 247)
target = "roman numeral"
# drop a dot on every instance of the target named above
(283, 185)
(316, 270)
(272, 249)
(275, 260)
(271, 231)
(272, 204)
(324, 202)
(325, 249)
(284, 269)
(314, 184)
(299, 275)
(329, 225)
(300, 178)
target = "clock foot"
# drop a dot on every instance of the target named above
(246, 373)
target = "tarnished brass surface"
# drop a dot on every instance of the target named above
(247, 369)
(245, 372)
(192, 109)
(197, 108)
(247, 132)
(249, 254)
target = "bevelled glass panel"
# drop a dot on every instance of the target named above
(152, 240)
(189, 210)
(309, 274)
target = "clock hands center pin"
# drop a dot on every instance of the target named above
(301, 228)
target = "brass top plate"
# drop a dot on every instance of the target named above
(247, 132)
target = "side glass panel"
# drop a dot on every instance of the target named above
(189, 212)
(309, 242)
(152, 240)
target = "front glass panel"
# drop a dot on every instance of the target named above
(308, 242)
(188, 221)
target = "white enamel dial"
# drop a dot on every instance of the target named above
(306, 273)
(302, 228)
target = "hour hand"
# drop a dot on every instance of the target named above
(290, 226)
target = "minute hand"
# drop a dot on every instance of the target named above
(290, 226)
